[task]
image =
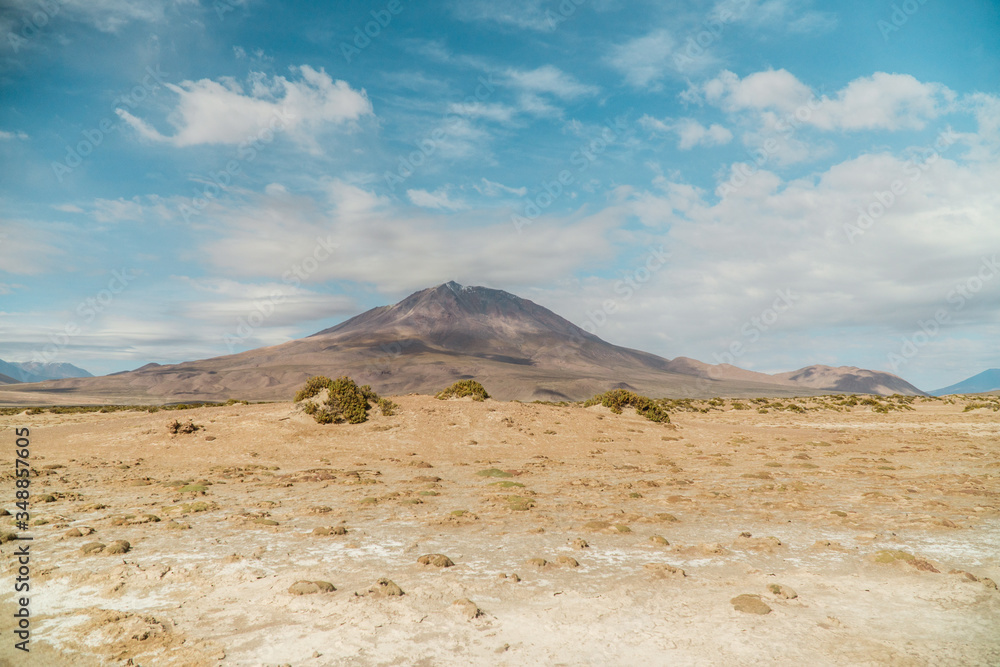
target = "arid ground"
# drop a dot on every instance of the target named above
(858, 538)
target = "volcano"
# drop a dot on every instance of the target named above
(434, 337)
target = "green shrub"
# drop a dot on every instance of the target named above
(616, 399)
(345, 400)
(464, 388)
(313, 386)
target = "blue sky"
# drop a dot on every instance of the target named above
(771, 183)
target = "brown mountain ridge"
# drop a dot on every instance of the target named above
(430, 339)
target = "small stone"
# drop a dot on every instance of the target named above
(750, 604)
(469, 608)
(437, 560)
(783, 592)
(659, 541)
(665, 571)
(567, 561)
(580, 543)
(118, 547)
(324, 531)
(73, 532)
(385, 588)
(304, 587)
(92, 548)
(536, 562)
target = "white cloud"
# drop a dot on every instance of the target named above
(783, 15)
(492, 189)
(7, 136)
(67, 208)
(549, 79)
(690, 132)
(397, 249)
(438, 199)
(644, 59)
(523, 14)
(881, 101)
(221, 112)
(499, 113)
(117, 210)
(285, 304)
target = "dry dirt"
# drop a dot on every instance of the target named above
(569, 536)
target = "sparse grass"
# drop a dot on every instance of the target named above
(617, 399)
(464, 388)
(494, 472)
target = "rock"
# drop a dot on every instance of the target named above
(385, 588)
(580, 543)
(437, 560)
(783, 592)
(664, 571)
(893, 556)
(666, 518)
(92, 548)
(304, 587)
(536, 562)
(73, 532)
(468, 607)
(333, 530)
(750, 604)
(659, 541)
(567, 561)
(118, 547)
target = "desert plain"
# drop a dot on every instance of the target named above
(743, 533)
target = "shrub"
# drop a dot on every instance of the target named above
(616, 399)
(345, 400)
(464, 388)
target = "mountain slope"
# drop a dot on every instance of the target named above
(516, 348)
(988, 380)
(34, 371)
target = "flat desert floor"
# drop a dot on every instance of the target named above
(577, 537)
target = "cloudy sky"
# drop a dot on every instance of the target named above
(772, 183)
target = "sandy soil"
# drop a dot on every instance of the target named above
(867, 539)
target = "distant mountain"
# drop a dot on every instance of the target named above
(430, 339)
(34, 371)
(6, 379)
(986, 381)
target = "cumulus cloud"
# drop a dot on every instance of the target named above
(644, 59)
(372, 241)
(438, 199)
(551, 80)
(226, 112)
(880, 101)
(690, 132)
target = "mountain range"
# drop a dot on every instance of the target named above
(988, 380)
(434, 337)
(35, 371)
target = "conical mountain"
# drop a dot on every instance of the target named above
(430, 339)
